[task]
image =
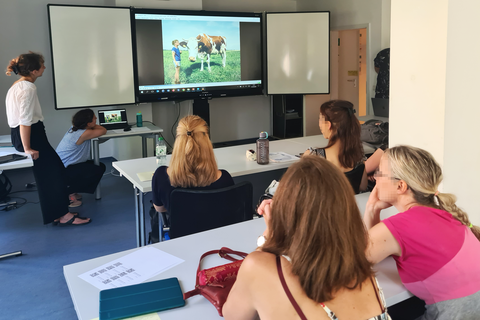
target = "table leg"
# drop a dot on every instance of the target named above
(155, 144)
(96, 161)
(143, 241)
(139, 218)
(144, 147)
(137, 215)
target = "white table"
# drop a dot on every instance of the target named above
(232, 159)
(240, 237)
(14, 164)
(152, 132)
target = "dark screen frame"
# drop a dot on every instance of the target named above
(208, 94)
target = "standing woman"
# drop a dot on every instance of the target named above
(176, 60)
(25, 119)
(74, 150)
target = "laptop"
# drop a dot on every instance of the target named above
(380, 107)
(113, 119)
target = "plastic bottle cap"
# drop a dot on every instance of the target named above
(139, 113)
(263, 135)
(160, 138)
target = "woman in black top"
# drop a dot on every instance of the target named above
(192, 165)
(339, 125)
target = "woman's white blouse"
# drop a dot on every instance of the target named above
(23, 107)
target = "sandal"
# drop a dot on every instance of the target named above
(75, 214)
(70, 222)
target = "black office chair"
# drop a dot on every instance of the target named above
(355, 177)
(193, 211)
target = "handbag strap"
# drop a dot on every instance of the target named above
(223, 253)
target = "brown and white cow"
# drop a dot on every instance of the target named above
(205, 46)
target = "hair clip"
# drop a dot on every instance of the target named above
(189, 133)
(15, 69)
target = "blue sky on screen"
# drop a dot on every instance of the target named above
(184, 29)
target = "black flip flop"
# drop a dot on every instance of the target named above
(70, 222)
(75, 214)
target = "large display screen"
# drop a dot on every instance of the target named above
(197, 54)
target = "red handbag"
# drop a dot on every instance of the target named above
(215, 283)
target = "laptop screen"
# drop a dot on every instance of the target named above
(108, 117)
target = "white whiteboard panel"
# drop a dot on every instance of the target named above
(92, 56)
(298, 53)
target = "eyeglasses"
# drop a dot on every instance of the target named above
(379, 174)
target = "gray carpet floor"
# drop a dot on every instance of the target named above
(32, 286)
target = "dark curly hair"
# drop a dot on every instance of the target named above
(25, 63)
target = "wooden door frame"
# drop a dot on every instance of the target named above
(369, 63)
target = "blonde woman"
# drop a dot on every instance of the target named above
(192, 165)
(313, 262)
(435, 246)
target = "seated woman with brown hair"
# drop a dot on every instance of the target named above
(339, 125)
(192, 165)
(312, 264)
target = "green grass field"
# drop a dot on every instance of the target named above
(190, 71)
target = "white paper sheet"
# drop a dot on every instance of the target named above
(134, 268)
(282, 157)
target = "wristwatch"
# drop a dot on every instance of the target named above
(261, 241)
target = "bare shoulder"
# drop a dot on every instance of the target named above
(258, 262)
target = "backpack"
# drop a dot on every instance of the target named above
(5, 186)
(374, 132)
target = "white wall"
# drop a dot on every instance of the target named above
(462, 113)
(433, 89)
(417, 85)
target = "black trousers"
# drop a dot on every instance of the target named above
(84, 177)
(48, 171)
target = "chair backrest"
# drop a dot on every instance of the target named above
(355, 177)
(193, 211)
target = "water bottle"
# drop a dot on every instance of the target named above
(161, 152)
(263, 148)
(139, 120)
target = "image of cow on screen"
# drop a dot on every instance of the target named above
(112, 117)
(206, 51)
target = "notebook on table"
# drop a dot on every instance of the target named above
(113, 119)
(380, 107)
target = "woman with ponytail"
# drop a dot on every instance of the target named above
(25, 119)
(192, 165)
(435, 245)
(339, 125)
(74, 150)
